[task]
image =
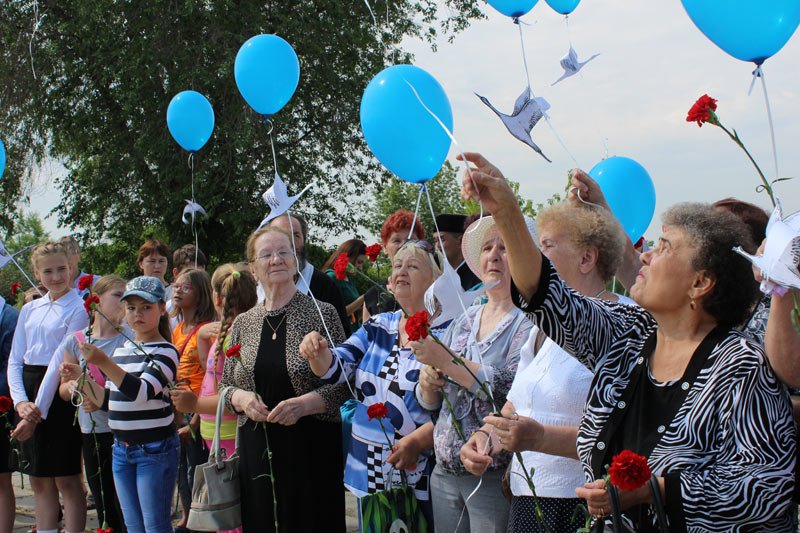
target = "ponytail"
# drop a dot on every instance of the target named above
(236, 288)
(164, 328)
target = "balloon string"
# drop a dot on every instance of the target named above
(769, 117)
(455, 143)
(561, 142)
(269, 123)
(319, 311)
(480, 481)
(37, 22)
(25, 274)
(416, 210)
(569, 37)
(585, 202)
(194, 231)
(374, 20)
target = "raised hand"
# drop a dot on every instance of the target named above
(486, 184)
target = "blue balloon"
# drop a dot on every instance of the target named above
(2, 158)
(512, 8)
(629, 192)
(750, 30)
(267, 72)
(565, 7)
(190, 119)
(399, 130)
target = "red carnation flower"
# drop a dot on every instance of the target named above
(90, 303)
(5, 404)
(703, 111)
(340, 267)
(85, 282)
(373, 252)
(107, 530)
(233, 351)
(629, 471)
(377, 410)
(16, 288)
(417, 326)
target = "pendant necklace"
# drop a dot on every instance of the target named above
(275, 329)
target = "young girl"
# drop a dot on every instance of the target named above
(145, 453)
(192, 304)
(97, 436)
(233, 292)
(50, 449)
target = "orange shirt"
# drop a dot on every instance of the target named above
(189, 370)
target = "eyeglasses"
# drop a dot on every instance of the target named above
(183, 289)
(266, 257)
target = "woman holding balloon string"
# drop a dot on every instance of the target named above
(378, 360)
(720, 440)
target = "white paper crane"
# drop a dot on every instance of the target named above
(571, 65)
(527, 112)
(190, 209)
(278, 199)
(781, 256)
(447, 296)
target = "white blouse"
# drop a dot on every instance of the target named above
(550, 387)
(41, 327)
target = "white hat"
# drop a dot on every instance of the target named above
(475, 234)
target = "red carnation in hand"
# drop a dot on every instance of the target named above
(373, 252)
(91, 303)
(629, 471)
(233, 351)
(85, 282)
(16, 288)
(377, 410)
(340, 267)
(417, 326)
(703, 111)
(5, 404)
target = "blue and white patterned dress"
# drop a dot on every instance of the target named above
(381, 372)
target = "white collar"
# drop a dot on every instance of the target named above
(64, 301)
(305, 279)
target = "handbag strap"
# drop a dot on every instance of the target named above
(616, 516)
(658, 504)
(216, 449)
(189, 337)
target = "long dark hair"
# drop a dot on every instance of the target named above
(353, 248)
(204, 308)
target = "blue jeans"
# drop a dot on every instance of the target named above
(145, 478)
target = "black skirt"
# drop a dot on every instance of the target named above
(54, 450)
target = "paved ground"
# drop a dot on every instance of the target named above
(25, 506)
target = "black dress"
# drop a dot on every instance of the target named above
(307, 457)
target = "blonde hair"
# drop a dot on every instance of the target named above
(106, 283)
(47, 248)
(250, 247)
(432, 257)
(70, 244)
(585, 227)
(236, 287)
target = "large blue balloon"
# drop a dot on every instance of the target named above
(750, 30)
(512, 8)
(565, 7)
(629, 191)
(399, 130)
(266, 71)
(190, 119)
(2, 158)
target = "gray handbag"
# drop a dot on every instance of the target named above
(215, 495)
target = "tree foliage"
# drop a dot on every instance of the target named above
(29, 232)
(107, 69)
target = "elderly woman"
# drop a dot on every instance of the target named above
(674, 381)
(378, 360)
(271, 385)
(488, 338)
(394, 233)
(550, 386)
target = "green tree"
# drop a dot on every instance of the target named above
(107, 69)
(444, 189)
(29, 231)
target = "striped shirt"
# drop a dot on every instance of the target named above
(139, 410)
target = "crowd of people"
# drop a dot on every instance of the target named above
(504, 418)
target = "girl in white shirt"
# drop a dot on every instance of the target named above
(50, 448)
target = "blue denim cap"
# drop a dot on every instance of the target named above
(145, 287)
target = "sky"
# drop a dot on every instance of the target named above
(633, 99)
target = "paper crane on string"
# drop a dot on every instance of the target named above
(448, 298)
(571, 65)
(527, 112)
(190, 209)
(781, 256)
(278, 199)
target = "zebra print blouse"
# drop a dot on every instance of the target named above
(727, 454)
